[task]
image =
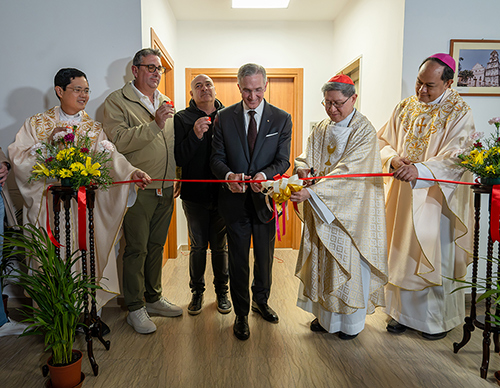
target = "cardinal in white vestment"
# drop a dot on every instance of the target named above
(72, 89)
(342, 261)
(428, 223)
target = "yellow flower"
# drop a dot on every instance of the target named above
(65, 173)
(65, 154)
(40, 169)
(77, 166)
(478, 157)
(490, 169)
(92, 169)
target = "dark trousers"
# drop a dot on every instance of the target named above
(145, 227)
(206, 226)
(242, 224)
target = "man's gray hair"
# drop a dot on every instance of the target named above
(346, 89)
(144, 53)
(250, 69)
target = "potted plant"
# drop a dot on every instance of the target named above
(59, 295)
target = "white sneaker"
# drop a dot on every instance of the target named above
(12, 328)
(163, 307)
(140, 321)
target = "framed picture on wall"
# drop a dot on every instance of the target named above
(478, 72)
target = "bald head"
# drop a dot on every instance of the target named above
(202, 90)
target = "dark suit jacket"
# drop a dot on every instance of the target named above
(230, 151)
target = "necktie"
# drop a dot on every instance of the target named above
(252, 131)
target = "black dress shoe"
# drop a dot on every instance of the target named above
(267, 312)
(315, 326)
(104, 330)
(223, 303)
(395, 327)
(434, 337)
(194, 307)
(240, 328)
(346, 337)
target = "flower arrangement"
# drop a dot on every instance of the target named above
(483, 157)
(69, 157)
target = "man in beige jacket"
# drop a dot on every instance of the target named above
(138, 119)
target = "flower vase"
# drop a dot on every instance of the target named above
(66, 182)
(490, 181)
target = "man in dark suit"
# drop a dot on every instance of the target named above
(251, 141)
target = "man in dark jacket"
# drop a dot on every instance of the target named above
(193, 145)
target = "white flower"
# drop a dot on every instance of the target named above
(71, 123)
(476, 135)
(494, 120)
(106, 146)
(92, 134)
(36, 147)
(60, 135)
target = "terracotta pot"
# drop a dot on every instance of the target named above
(48, 384)
(68, 376)
(5, 298)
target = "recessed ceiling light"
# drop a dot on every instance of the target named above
(260, 3)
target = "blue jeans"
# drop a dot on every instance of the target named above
(3, 316)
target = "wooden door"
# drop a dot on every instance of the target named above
(284, 90)
(166, 87)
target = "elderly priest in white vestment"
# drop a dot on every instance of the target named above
(428, 223)
(342, 261)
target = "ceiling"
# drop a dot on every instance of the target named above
(298, 10)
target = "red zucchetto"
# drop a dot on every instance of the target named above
(341, 78)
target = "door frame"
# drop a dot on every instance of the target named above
(167, 87)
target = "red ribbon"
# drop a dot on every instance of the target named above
(304, 179)
(495, 213)
(82, 201)
(82, 218)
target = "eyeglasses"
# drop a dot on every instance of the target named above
(329, 104)
(153, 68)
(79, 90)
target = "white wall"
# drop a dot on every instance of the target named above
(374, 31)
(159, 15)
(40, 37)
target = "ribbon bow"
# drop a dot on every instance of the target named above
(279, 190)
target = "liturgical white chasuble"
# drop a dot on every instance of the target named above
(342, 261)
(110, 205)
(427, 221)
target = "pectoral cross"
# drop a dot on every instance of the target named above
(419, 131)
